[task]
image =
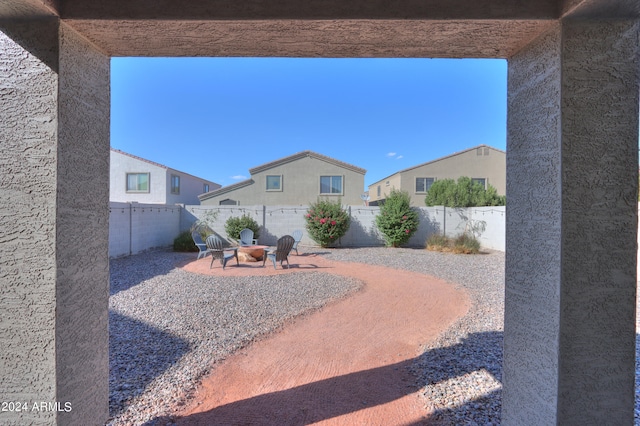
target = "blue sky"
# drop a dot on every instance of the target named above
(218, 117)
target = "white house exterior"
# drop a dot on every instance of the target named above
(135, 179)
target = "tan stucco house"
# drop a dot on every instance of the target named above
(136, 179)
(299, 179)
(482, 163)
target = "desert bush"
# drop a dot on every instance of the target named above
(234, 225)
(466, 244)
(326, 222)
(438, 242)
(397, 221)
(184, 242)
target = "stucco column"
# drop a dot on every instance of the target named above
(54, 268)
(572, 190)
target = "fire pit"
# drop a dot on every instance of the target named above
(255, 252)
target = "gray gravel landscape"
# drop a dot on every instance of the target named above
(461, 372)
(168, 327)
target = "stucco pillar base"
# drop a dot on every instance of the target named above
(572, 173)
(54, 268)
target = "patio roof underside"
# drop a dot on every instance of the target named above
(316, 28)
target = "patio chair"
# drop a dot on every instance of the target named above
(215, 246)
(297, 236)
(246, 238)
(202, 247)
(281, 252)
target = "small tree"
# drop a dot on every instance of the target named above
(234, 225)
(397, 220)
(327, 221)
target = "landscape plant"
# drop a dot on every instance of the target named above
(204, 225)
(326, 221)
(234, 225)
(438, 242)
(397, 221)
(463, 193)
(184, 242)
(465, 243)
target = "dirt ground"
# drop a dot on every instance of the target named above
(346, 364)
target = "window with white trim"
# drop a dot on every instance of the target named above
(331, 185)
(205, 187)
(137, 182)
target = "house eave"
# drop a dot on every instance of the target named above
(304, 154)
(225, 189)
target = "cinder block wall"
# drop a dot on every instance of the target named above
(277, 221)
(153, 225)
(119, 229)
(135, 227)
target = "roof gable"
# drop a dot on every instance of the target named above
(135, 157)
(305, 154)
(440, 159)
(225, 189)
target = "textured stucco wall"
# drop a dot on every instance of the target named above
(532, 269)
(600, 95)
(82, 239)
(570, 274)
(28, 137)
(544, 134)
(54, 267)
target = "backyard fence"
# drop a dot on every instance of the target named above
(135, 227)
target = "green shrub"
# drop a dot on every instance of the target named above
(326, 221)
(184, 242)
(397, 220)
(234, 225)
(463, 193)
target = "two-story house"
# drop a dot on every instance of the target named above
(298, 179)
(135, 179)
(483, 164)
